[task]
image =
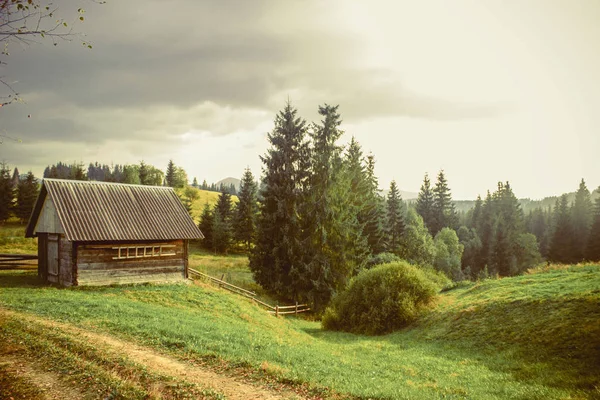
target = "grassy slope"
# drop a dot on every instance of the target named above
(530, 337)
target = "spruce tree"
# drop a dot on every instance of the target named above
(561, 245)
(27, 191)
(335, 248)
(143, 172)
(246, 211)
(7, 192)
(170, 175)
(374, 215)
(395, 219)
(195, 183)
(278, 247)
(425, 204)
(581, 221)
(593, 245)
(221, 232)
(364, 196)
(206, 226)
(444, 213)
(486, 232)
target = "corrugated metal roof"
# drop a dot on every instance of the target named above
(102, 211)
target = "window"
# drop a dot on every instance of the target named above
(127, 252)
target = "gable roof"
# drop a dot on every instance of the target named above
(102, 211)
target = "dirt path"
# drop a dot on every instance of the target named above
(163, 364)
(47, 382)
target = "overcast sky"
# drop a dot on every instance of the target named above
(487, 90)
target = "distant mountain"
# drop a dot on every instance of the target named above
(408, 195)
(229, 181)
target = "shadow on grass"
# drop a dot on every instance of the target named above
(18, 278)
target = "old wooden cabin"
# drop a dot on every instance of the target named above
(98, 233)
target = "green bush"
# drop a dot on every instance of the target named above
(382, 258)
(381, 299)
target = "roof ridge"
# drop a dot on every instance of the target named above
(106, 183)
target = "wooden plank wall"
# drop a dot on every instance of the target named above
(65, 262)
(96, 266)
(43, 256)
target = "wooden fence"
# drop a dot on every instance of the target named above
(15, 260)
(277, 310)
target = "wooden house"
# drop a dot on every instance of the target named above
(99, 233)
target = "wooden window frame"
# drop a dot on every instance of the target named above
(133, 252)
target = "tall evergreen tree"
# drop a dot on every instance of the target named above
(143, 171)
(170, 175)
(593, 245)
(485, 230)
(221, 232)
(581, 221)
(7, 192)
(335, 248)
(278, 247)
(374, 215)
(206, 226)
(27, 191)
(561, 245)
(444, 213)
(425, 204)
(364, 196)
(395, 219)
(246, 211)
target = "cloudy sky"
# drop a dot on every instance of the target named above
(487, 90)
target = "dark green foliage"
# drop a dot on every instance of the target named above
(175, 176)
(444, 214)
(581, 217)
(246, 211)
(527, 253)
(538, 224)
(561, 245)
(593, 245)
(170, 174)
(334, 246)
(395, 219)
(375, 213)
(65, 171)
(206, 226)
(7, 192)
(417, 244)
(425, 204)
(472, 247)
(382, 258)
(381, 300)
(149, 175)
(27, 191)
(448, 254)
(221, 232)
(278, 249)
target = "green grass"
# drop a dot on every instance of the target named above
(530, 337)
(12, 240)
(205, 196)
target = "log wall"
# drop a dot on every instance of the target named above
(103, 264)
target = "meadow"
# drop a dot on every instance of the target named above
(535, 336)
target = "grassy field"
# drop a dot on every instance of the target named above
(531, 337)
(205, 196)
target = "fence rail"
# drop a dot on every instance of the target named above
(275, 310)
(10, 261)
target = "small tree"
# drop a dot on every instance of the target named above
(395, 219)
(7, 192)
(448, 254)
(425, 204)
(27, 191)
(246, 210)
(206, 226)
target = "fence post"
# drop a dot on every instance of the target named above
(222, 276)
(296, 309)
(277, 310)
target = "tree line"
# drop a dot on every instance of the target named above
(320, 218)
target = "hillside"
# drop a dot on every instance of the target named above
(531, 337)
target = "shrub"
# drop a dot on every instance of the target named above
(382, 258)
(381, 299)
